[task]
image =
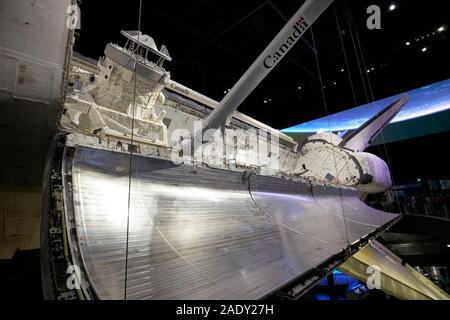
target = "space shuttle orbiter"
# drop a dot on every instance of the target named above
(214, 227)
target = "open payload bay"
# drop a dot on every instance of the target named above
(200, 233)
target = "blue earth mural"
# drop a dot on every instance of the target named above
(422, 102)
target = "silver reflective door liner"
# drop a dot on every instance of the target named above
(200, 233)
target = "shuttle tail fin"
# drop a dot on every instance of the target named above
(359, 139)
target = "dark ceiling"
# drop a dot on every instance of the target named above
(213, 42)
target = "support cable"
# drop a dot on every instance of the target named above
(358, 62)
(329, 129)
(372, 100)
(361, 71)
(131, 155)
(347, 66)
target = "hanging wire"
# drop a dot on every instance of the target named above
(324, 100)
(347, 66)
(345, 57)
(361, 71)
(372, 100)
(131, 155)
(358, 62)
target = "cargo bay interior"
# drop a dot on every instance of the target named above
(96, 196)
